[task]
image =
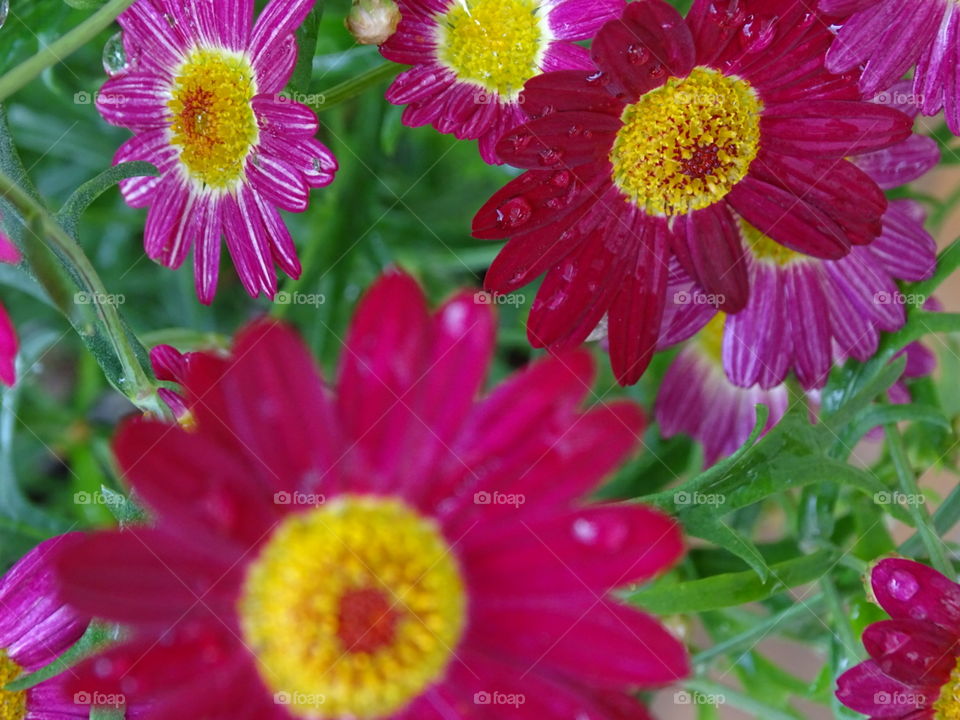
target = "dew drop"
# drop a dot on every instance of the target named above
(902, 585)
(114, 55)
(550, 156)
(4, 11)
(637, 54)
(515, 212)
(657, 71)
(561, 179)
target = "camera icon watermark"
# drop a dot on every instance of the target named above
(485, 298)
(906, 699)
(682, 297)
(298, 498)
(299, 298)
(99, 699)
(684, 498)
(499, 498)
(83, 497)
(298, 97)
(885, 497)
(499, 698)
(685, 697)
(898, 298)
(84, 97)
(98, 298)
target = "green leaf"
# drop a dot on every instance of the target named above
(862, 385)
(947, 263)
(720, 591)
(704, 523)
(69, 214)
(307, 43)
(123, 508)
(886, 414)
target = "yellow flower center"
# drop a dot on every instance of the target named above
(686, 144)
(213, 123)
(13, 705)
(764, 247)
(710, 338)
(353, 608)
(947, 706)
(496, 44)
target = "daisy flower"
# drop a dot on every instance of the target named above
(201, 93)
(392, 547)
(35, 629)
(913, 671)
(9, 344)
(605, 201)
(876, 39)
(471, 59)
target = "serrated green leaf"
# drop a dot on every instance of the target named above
(721, 591)
(705, 524)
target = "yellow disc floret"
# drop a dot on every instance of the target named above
(495, 44)
(353, 608)
(947, 706)
(710, 338)
(763, 247)
(213, 123)
(684, 145)
(13, 705)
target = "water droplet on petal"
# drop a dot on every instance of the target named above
(114, 55)
(637, 54)
(515, 212)
(550, 156)
(561, 179)
(902, 585)
(657, 71)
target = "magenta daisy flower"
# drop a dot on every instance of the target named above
(392, 547)
(201, 94)
(681, 123)
(914, 667)
(471, 59)
(35, 629)
(888, 37)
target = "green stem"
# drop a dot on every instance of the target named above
(841, 618)
(944, 518)
(749, 638)
(356, 85)
(134, 383)
(723, 695)
(57, 51)
(910, 488)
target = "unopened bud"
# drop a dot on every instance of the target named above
(372, 22)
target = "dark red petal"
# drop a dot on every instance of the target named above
(832, 128)
(789, 219)
(566, 90)
(642, 49)
(637, 310)
(708, 244)
(912, 651)
(560, 140)
(866, 689)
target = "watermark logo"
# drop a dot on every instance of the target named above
(298, 498)
(684, 697)
(682, 497)
(898, 498)
(302, 98)
(485, 298)
(96, 498)
(499, 498)
(87, 98)
(895, 97)
(898, 298)
(98, 298)
(99, 699)
(498, 698)
(682, 297)
(299, 298)
(907, 699)
(299, 699)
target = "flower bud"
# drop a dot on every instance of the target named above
(371, 22)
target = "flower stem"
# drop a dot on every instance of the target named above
(910, 488)
(133, 380)
(356, 85)
(57, 51)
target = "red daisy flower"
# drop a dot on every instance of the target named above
(471, 59)
(9, 343)
(913, 671)
(683, 122)
(391, 548)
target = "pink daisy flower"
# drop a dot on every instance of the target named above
(35, 629)
(914, 668)
(9, 344)
(888, 37)
(471, 59)
(391, 547)
(684, 126)
(201, 93)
